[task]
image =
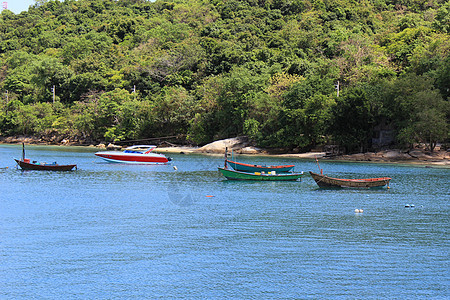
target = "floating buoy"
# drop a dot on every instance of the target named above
(175, 168)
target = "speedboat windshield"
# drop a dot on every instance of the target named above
(143, 149)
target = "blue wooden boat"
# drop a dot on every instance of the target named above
(252, 168)
(258, 168)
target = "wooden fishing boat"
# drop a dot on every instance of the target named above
(325, 181)
(258, 168)
(259, 176)
(26, 164)
(251, 168)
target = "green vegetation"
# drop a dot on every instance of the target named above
(211, 69)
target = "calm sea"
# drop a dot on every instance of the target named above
(114, 231)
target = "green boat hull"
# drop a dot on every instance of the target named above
(237, 175)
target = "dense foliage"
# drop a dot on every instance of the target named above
(210, 69)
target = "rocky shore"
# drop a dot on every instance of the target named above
(241, 145)
(45, 140)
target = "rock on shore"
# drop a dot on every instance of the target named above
(240, 145)
(47, 139)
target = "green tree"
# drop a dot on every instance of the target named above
(353, 120)
(443, 78)
(205, 68)
(442, 19)
(419, 112)
(237, 92)
(304, 113)
(173, 109)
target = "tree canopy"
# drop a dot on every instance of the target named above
(210, 69)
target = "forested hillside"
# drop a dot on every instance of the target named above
(211, 69)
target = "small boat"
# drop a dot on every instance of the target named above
(258, 168)
(259, 176)
(26, 164)
(138, 154)
(325, 181)
(251, 168)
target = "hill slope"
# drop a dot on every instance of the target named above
(130, 69)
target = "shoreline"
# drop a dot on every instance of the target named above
(425, 160)
(393, 156)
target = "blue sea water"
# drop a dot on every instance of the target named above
(114, 231)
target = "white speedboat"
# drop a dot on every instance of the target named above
(138, 154)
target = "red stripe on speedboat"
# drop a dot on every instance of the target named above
(156, 159)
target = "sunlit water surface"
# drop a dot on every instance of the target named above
(131, 231)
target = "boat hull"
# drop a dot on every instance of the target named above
(132, 158)
(238, 175)
(325, 181)
(44, 167)
(258, 168)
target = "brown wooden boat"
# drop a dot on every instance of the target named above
(26, 164)
(325, 181)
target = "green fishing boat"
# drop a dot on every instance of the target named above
(259, 176)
